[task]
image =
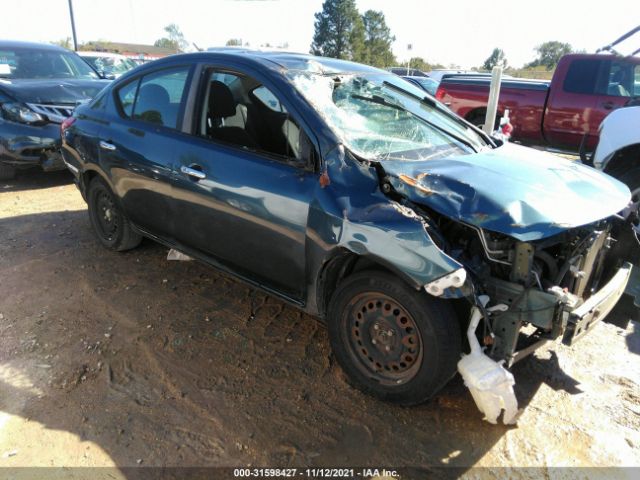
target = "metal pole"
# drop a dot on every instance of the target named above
(492, 105)
(73, 26)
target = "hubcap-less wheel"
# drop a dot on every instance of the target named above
(382, 338)
(107, 215)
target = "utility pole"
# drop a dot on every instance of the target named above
(494, 95)
(73, 26)
(409, 48)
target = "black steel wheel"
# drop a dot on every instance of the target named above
(110, 225)
(392, 341)
(384, 340)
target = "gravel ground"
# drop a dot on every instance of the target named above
(126, 359)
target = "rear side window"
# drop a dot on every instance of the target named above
(582, 76)
(156, 98)
(160, 96)
(127, 97)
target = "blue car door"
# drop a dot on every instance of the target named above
(244, 183)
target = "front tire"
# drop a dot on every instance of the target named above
(7, 172)
(393, 342)
(110, 225)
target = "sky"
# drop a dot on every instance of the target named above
(462, 32)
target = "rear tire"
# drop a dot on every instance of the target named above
(7, 172)
(110, 225)
(479, 119)
(627, 248)
(393, 342)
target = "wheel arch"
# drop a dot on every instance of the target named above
(86, 177)
(344, 263)
(623, 160)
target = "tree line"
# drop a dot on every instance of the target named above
(341, 31)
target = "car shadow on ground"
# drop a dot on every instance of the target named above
(35, 179)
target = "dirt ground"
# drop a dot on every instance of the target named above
(127, 359)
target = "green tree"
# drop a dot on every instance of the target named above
(421, 64)
(234, 42)
(549, 54)
(496, 59)
(377, 40)
(64, 43)
(174, 40)
(339, 31)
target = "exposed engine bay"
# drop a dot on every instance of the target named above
(540, 281)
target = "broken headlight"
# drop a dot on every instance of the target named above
(20, 113)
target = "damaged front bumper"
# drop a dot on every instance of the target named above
(23, 146)
(583, 318)
(553, 314)
(489, 382)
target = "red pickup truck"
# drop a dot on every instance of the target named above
(556, 114)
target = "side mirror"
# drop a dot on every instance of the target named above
(105, 75)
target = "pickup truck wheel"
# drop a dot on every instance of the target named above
(109, 223)
(631, 178)
(393, 342)
(7, 172)
(480, 118)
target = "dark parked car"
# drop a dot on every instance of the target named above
(427, 84)
(40, 85)
(347, 192)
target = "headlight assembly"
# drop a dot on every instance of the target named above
(18, 112)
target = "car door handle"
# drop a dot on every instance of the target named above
(107, 146)
(193, 172)
(608, 105)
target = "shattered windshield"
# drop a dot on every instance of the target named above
(115, 65)
(40, 63)
(381, 116)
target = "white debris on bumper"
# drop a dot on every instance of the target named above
(454, 279)
(490, 384)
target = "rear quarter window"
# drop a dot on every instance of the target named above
(582, 76)
(127, 97)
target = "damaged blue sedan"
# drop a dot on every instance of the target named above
(345, 191)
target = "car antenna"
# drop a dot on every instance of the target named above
(609, 48)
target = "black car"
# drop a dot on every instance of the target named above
(349, 193)
(40, 85)
(427, 84)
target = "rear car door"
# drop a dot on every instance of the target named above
(572, 105)
(138, 148)
(244, 182)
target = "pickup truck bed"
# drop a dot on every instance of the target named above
(584, 89)
(525, 99)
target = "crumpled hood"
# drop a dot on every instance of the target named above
(56, 91)
(514, 190)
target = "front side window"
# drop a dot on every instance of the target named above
(621, 81)
(30, 63)
(240, 111)
(381, 116)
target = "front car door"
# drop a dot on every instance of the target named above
(137, 149)
(619, 83)
(244, 182)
